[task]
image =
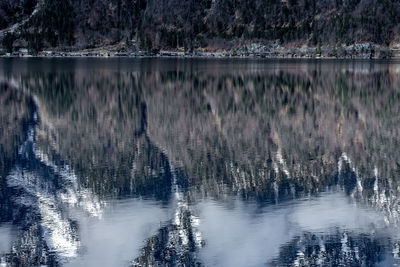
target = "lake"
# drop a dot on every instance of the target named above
(199, 162)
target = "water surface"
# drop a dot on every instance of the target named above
(199, 162)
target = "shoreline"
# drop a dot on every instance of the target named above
(203, 57)
(394, 54)
(254, 50)
(200, 57)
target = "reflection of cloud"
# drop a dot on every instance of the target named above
(242, 236)
(236, 238)
(335, 210)
(111, 241)
(118, 236)
(6, 237)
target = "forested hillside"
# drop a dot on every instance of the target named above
(12, 11)
(192, 24)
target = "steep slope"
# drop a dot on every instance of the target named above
(211, 24)
(13, 11)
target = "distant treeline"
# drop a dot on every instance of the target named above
(189, 24)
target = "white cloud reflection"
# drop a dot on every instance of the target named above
(7, 236)
(244, 235)
(117, 238)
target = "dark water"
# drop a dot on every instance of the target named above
(118, 162)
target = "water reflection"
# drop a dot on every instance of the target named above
(298, 231)
(199, 162)
(118, 237)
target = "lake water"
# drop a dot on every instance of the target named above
(199, 162)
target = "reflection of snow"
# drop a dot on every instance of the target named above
(3, 262)
(181, 208)
(59, 235)
(73, 195)
(396, 251)
(46, 188)
(299, 259)
(58, 232)
(345, 159)
(179, 240)
(380, 200)
(282, 162)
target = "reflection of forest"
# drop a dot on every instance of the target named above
(340, 248)
(15, 112)
(267, 134)
(250, 133)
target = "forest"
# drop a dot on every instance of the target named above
(191, 24)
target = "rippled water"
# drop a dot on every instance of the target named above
(173, 162)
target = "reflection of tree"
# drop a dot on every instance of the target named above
(175, 244)
(29, 249)
(262, 133)
(99, 131)
(163, 250)
(14, 114)
(336, 249)
(250, 129)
